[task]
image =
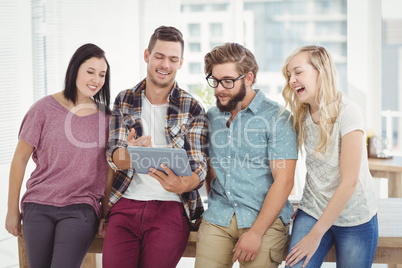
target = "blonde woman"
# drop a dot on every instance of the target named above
(338, 206)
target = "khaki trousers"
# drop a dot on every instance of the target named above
(216, 243)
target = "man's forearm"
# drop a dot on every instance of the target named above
(272, 207)
(121, 158)
(283, 174)
(192, 182)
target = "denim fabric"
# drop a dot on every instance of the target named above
(58, 237)
(241, 156)
(355, 246)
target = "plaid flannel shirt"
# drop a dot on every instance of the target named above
(186, 127)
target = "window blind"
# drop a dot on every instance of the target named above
(15, 72)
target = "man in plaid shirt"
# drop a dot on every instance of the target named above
(150, 215)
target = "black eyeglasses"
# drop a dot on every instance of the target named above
(226, 83)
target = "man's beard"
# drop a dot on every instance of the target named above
(232, 104)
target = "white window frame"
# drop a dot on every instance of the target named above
(364, 57)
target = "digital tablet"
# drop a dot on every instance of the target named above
(144, 158)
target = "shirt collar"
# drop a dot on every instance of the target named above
(256, 102)
(173, 96)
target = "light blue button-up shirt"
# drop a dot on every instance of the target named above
(241, 157)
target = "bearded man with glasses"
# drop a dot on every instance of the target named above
(253, 154)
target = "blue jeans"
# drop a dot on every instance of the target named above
(354, 246)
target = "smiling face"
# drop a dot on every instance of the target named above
(303, 78)
(90, 77)
(163, 63)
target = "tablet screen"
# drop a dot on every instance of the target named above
(143, 158)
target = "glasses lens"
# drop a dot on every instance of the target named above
(212, 82)
(228, 83)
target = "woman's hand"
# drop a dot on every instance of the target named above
(305, 248)
(17, 171)
(102, 226)
(13, 222)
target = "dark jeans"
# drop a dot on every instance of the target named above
(58, 236)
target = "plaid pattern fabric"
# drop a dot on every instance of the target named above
(186, 127)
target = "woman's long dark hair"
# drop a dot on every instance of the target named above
(82, 54)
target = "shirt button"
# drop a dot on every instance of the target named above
(229, 156)
(235, 204)
(228, 175)
(228, 192)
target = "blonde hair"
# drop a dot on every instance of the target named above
(329, 97)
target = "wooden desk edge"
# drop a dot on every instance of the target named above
(389, 165)
(389, 250)
(382, 241)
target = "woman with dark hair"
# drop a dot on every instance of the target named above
(66, 134)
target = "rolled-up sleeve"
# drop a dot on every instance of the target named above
(197, 137)
(117, 132)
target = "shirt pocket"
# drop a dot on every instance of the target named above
(255, 139)
(255, 145)
(178, 135)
